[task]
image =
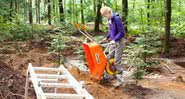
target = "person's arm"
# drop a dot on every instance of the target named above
(120, 29)
(108, 35)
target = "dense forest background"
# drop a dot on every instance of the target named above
(139, 16)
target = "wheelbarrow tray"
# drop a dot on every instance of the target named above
(96, 59)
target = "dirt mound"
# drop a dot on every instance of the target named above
(180, 79)
(14, 65)
(177, 48)
(12, 83)
(137, 90)
(97, 90)
(80, 75)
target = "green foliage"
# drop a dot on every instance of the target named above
(81, 53)
(19, 30)
(59, 42)
(140, 53)
(139, 74)
(98, 38)
(66, 28)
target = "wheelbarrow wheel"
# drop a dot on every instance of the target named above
(110, 67)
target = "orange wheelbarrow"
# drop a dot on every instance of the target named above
(98, 61)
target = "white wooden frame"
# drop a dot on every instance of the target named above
(38, 83)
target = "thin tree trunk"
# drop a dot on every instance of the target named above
(142, 21)
(65, 11)
(70, 11)
(73, 12)
(162, 15)
(39, 11)
(16, 6)
(76, 13)
(36, 5)
(61, 10)
(180, 5)
(94, 7)
(148, 12)
(25, 11)
(167, 26)
(49, 12)
(30, 12)
(44, 6)
(133, 9)
(125, 13)
(57, 11)
(11, 7)
(98, 16)
(53, 10)
(82, 12)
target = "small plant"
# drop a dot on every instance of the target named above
(58, 44)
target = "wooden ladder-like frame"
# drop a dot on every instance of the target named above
(38, 83)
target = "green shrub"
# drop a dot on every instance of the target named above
(141, 51)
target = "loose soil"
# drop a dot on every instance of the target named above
(177, 48)
(14, 61)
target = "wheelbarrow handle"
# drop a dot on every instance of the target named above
(85, 33)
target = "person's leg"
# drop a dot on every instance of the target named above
(118, 54)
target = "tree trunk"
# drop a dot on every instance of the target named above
(11, 7)
(61, 10)
(65, 11)
(82, 12)
(133, 7)
(49, 12)
(98, 16)
(70, 11)
(76, 13)
(125, 13)
(16, 6)
(39, 11)
(25, 11)
(73, 12)
(167, 26)
(180, 6)
(36, 5)
(45, 6)
(94, 7)
(148, 12)
(30, 12)
(57, 11)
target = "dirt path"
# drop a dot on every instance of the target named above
(162, 85)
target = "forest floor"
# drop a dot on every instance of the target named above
(14, 59)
